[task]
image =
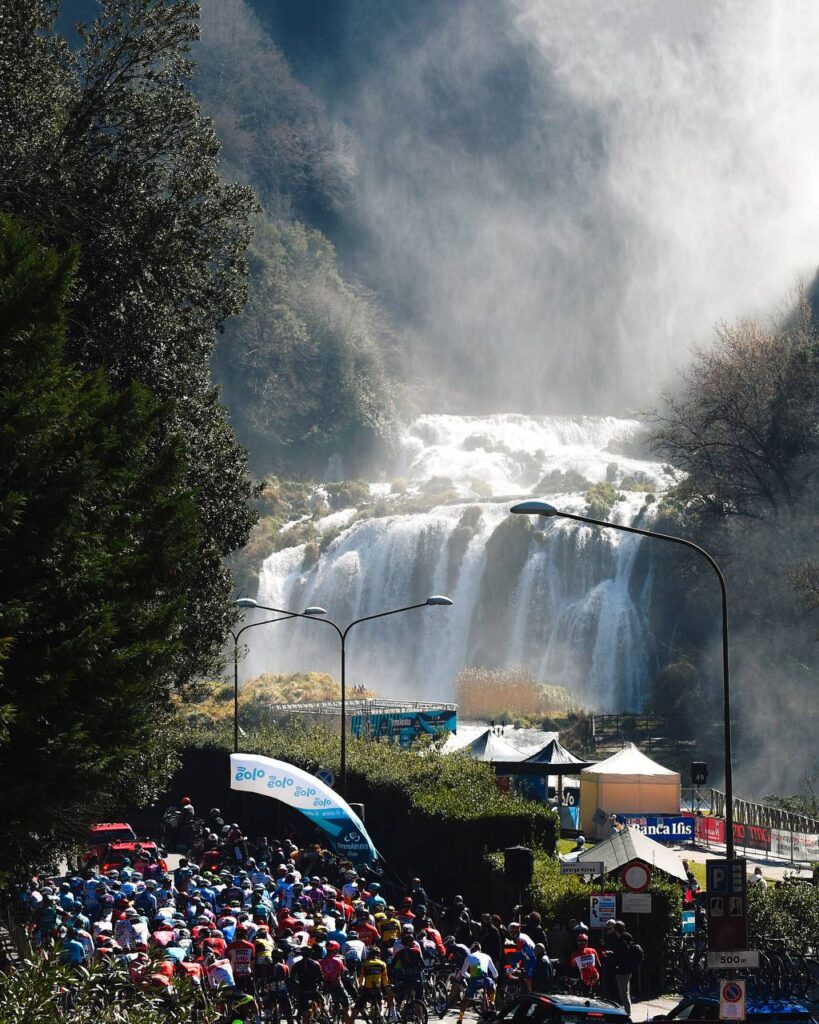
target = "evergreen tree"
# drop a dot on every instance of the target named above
(105, 147)
(100, 540)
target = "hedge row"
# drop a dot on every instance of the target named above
(433, 814)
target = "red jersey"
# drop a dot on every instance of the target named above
(332, 969)
(368, 933)
(217, 944)
(587, 962)
(241, 954)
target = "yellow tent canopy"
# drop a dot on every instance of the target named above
(628, 782)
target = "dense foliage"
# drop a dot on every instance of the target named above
(100, 994)
(105, 147)
(100, 536)
(744, 425)
(304, 371)
(789, 912)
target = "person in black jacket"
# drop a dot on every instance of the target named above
(621, 953)
(534, 929)
(491, 940)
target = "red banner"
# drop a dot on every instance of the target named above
(710, 830)
(749, 837)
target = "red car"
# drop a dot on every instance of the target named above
(115, 853)
(105, 833)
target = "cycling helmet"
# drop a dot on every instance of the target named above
(372, 953)
(408, 929)
(333, 947)
(582, 937)
(214, 811)
(185, 801)
(375, 887)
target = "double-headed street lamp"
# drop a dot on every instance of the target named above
(542, 508)
(436, 600)
(245, 602)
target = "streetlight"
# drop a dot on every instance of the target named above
(542, 508)
(248, 602)
(436, 600)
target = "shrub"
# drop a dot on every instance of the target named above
(102, 993)
(600, 497)
(511, 692)
(790, 912)
(559, 481)
(347, 493)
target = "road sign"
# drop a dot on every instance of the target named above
(326, 776)
(636, 902)
(585, 867)
(748, 959)
(727, 905)
(602, 908)
(636, 876)
(732, 999)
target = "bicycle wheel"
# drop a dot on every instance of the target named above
(414, 1011)
(440, 999)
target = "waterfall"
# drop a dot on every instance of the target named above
(569, 602)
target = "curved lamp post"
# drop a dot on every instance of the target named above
(436, 600)
(542, 508)
(246, 602)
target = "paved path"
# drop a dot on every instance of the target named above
(771, 867)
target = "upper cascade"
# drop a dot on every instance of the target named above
(568, 602)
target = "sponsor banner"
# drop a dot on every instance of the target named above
(404, 726)
(805, 847)
(781, 843)
(710, 829)
(253, 773)
(662, 828)
(752, 837)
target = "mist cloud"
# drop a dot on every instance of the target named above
(561, 198)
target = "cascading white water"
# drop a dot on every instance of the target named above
(567, 601)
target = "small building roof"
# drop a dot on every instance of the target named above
(630, 844)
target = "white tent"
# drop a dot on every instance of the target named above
(630, 844)
(490, 747)
(628, 782)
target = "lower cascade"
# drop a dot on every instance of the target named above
(568, 602)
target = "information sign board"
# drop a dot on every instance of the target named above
(748, 959)
(585, 867)
(602, 908)
(636, 902)
(726, 904)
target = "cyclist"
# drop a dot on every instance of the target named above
(375, 986)
(333, 970)
(244, 1009)
(279, 994)
(309, 979)
(586, 961)
(526, 948)
(242, 955)
(408, 966)
(480, 973)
